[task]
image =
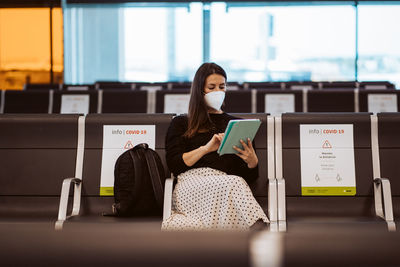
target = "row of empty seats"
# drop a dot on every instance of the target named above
(110, 85)
(177, 101)
(41, 155)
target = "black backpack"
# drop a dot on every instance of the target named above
(139, 179)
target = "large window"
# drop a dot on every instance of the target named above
(252, 41)
(162, 43)
(284, 43)
(379, 43)
(94, 44)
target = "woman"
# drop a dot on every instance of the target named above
(211, 192)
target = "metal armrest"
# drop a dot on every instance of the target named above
(383, 201)
(62, 211)
(272, 200)
(281, 204)
(169, 184)
(273, 205)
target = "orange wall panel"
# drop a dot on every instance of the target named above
(58, 46)
(25, 45)
(25, 38)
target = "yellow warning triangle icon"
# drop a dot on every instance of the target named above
(326, 144)
(128, 145)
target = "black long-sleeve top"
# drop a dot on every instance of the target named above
(176, 144)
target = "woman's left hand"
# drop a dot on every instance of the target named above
(247, 153)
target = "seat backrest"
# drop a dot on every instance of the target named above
(92, 164)
(36, 153)
(335, 100)
(238, 101)
(274, 95)
(124, 101)
(379, 100)
(334, 198)
(291, 159)
(389, 149)
(36, 101)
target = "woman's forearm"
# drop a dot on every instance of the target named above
(190, 158)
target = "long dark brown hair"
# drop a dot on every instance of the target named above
(198, 117)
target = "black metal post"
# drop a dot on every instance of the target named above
(51, 45)
(356, 58)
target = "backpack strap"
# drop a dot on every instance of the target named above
(138, 172)
(155, 176)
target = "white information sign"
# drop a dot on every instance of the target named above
(327, 160)
(176, 103)
(151, 87)
(74, 104)
(276, 104)
(382, 103)
(116, 140)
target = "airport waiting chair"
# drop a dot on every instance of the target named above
(316, 204)
(37, 151)
(264, 188)
(96, 197)
(389, 154)
(35, 101)
(123, 101)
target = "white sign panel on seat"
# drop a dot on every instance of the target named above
(74, 104)
(176, 103)
(276, 104)
(116, 140)
(327, 160)
(382, 103)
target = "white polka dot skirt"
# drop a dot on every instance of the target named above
(208, 199)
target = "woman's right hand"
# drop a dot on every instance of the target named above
(214, 142)
(190, 158)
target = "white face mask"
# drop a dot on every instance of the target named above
(215, 99)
